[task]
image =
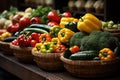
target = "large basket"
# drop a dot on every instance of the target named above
(5, 48)
(49, 61)
(22, 54)
(91, 68)
(115, 32)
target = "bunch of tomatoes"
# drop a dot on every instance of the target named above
(27, 41)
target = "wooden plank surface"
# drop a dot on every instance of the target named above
(33, 72)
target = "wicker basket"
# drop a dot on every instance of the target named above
(5, 48)
(115, 32)
(49, 61)
(22, 54)
(91, 69)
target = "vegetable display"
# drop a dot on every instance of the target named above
(49, 31)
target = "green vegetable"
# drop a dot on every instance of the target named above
(72, 26)
(41, 26)
(9, 39)
(41, 12)
(30, 30)
(98, 40)
(67, 53)
(54, 31)
(84, 55)
(76, 38)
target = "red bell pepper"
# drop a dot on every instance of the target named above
(59, 48)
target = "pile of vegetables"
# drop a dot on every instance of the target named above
(49, 31)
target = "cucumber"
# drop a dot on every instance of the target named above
(84, 55)
(41, 26)
(34, 30)
(9, 39)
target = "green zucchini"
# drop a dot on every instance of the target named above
(34, 30)
(84, 55)
(41, 26)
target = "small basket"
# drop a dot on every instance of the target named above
(115, 32)
(22, 54)
(49, 61)
(5, 48)
(91, 69)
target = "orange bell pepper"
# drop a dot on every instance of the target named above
(106, 54)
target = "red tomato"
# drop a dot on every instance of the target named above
(52, 23)
(35, 36)
(24, 22)
(53, 16)
(35, 20)
(67, 14)
(74, 49)
(33, 43)
(15, 42)
(16, 18)
(13, 27)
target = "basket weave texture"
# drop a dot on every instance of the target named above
(22, 54)
(5, 48)
(49, 61)
(115, 32)
(91, 69)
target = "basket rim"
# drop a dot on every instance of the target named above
(44, 54)
(1, 42)
(88, 62)
(18, 47)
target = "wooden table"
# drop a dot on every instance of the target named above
(33, 72)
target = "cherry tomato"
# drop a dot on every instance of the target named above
(35, 36)
(74, 49)
(33, 43)
(53, 16)
(67, 14)
(35, 20)
(52, 23)
(15, 42)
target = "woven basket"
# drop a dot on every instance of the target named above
(5, 48)
(49, 61)
(91, 69)
(22, 54)
(115, 32)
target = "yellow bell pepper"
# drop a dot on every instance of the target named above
(55, 41)
(65, 34)
(89, 23)
(64, 20)
(37, 47)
